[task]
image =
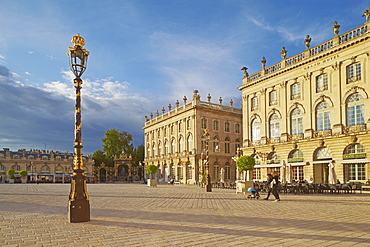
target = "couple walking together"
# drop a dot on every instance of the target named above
(273, 185)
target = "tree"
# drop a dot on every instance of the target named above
(245, 163)
(137, 155)
(23, 173)
(151, 169)
(99, 157)
(115, 142)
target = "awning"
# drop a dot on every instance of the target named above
(267, 165)
(298, 164)
(354, 161)
(321, 162)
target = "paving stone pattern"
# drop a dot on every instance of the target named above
(180, 215)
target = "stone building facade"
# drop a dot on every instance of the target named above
(173, 140)
(312, 109)
(44, 166)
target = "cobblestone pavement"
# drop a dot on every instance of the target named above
(180, 215)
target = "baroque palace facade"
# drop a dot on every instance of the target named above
(43, 166)
(312, 109)
(173, 140)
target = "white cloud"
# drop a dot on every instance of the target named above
(261, 24)
(28, 73)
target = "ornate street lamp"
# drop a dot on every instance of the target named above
(206, 137)
(79, 206)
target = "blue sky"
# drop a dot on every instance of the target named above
(144, 55)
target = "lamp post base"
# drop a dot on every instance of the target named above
(208, 184)
(79, 211)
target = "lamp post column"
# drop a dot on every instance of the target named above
(79, 206)
(206, 138)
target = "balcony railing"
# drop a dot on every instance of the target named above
(322, 133)
(354, 128)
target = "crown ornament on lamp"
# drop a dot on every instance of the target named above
(78, 56)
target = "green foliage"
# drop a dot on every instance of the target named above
(23, 173)
(245, 163)
(115, 142)
(137, 155)
(11, 172)
(151, 169)
(98, 157)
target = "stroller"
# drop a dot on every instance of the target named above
(254, 193)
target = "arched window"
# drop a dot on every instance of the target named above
(173, 146)
(59, 169)
(323, 153)
(295, 156)
(181, 144)
(274, 126)
(190, 171)
(216, 144)
(355, 149)
(45, 169)
(16, 168)
(165, 147)
(227, 145)
(154, 149)
(355, 110)
(159, 148)
(256, 129)
(148, 150)
(189, 143)
(296, 121)
(323, 116)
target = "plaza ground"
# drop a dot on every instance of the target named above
(180, 215)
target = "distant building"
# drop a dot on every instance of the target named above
(44, 166)
(312, 109)
(173, 140)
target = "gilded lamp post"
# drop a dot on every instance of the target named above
(206, 137)
(79, 206)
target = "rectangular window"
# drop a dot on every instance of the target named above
(204, 123)
(237, 128)
(296, 91)
(356, 172)
(254, 103)
(227, 127)
(273, 97)
(215, 125)
(227, 147)
(353, 72)
(216, 172)
(227, 172)
(321, 83)
(256, 173)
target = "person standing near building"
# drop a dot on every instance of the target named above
(268, 186)
(275, 185)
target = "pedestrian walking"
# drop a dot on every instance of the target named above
(275, 185)
(268, 186)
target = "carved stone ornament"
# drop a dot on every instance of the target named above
(307, 41)
(245, 71)
(231, 102)
(366, 14)
(335, 66)
(220, 100)
(336, 27)
(283, 53)
(263, 62)
(354, 139)
(209, 97)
